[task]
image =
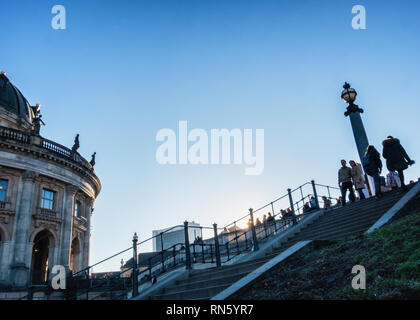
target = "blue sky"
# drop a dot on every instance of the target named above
(122, 70)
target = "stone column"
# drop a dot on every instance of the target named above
(21, 262)
(67, 225)
(86, 239)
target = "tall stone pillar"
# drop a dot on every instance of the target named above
(21, 262)
(67, 219)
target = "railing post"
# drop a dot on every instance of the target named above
(216, 246)
(236, 238)
(246, 241)
(202, 245)
(254, 234)
(227, 251)
(315, 194)
(187, 247)
(274, 218)
(135, 263)
(292, 207)
(150, 268)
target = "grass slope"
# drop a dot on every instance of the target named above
(390, 255)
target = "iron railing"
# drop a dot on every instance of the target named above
(221, 246)
(51, 146)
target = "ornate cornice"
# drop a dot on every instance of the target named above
(21, 142)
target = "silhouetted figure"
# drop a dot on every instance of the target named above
(270, 218)
(313, 203)
(373, 166)
(345, 183)
(396, 157)
(327, 202)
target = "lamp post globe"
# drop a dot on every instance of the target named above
(348, 94)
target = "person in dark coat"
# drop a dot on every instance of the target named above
(396, 157)
(373, 166)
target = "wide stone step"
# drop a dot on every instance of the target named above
(366, 202)
(349, 217)
(195, 294)
(334, 234)
(224, 280)
(225, 271)
(360, 219)
(383, 203)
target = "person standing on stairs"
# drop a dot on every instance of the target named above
(396, 157)
(358, 181)
(373, 167)
(345, 183)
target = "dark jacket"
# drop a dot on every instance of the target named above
(395, 155)
(372, 163)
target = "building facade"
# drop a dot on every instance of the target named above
(47, 193)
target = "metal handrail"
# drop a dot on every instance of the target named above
(240, 242)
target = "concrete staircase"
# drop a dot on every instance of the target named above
(353, 219)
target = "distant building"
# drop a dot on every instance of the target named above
(175, 236)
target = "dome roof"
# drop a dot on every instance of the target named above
(13, 100)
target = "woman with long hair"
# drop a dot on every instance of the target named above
(373, 167)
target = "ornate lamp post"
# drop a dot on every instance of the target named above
(353, 112)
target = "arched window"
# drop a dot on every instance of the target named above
(41, 257)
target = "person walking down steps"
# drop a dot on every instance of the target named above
(396, 157)
(373, 166)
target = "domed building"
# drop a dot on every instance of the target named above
(47, 192)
